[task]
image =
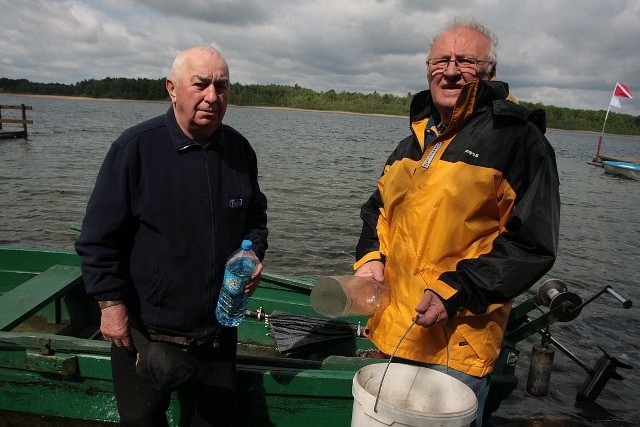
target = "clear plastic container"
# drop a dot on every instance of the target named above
(233, 300)
(337, 296)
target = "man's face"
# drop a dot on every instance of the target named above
(199, 93)
(446, 84)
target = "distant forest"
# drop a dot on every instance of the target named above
(299, 97)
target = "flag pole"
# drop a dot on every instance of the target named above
(596, 159)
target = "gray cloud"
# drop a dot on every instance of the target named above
(568, 53)
(224, 12)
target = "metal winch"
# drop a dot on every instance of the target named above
(561, 306)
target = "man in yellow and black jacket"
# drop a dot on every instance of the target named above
(465, 216)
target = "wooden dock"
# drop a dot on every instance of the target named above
(9, 133)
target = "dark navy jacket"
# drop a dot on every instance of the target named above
(164, 216)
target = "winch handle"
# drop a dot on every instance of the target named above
(626, 303)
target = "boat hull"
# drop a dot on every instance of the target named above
(628, 170)
(268, 395)
(55, 363)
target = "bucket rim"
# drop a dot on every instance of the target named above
(366, 400)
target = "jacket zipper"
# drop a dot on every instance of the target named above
(212, 260)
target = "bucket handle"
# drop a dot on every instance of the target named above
(413, 322)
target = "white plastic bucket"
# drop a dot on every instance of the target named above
(410, 396)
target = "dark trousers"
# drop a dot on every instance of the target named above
(208, 399)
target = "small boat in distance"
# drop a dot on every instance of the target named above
(619, 91)
(629, 170)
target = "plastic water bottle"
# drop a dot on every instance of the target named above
(232, 302)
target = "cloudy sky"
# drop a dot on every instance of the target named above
(568, 53)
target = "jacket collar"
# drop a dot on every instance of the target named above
(474, 95)
(182, 141)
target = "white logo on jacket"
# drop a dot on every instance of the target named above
(235, 203)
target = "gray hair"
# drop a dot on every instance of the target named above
(179, 63)
(469, 23)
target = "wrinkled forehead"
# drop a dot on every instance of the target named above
(460, 41)
(206, 63)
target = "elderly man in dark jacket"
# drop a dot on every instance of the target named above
(175, 196)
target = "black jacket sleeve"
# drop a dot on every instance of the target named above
(527, 250)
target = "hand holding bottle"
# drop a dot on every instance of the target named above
(241, 277)
(252, 284)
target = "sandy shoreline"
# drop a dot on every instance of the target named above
(84, 98)
(80, 98)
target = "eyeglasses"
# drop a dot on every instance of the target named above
(466, 64)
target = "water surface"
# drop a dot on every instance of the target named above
(317, 169)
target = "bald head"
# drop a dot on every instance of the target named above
(198, 87)
(184, 58)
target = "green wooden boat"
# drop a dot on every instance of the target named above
(292, 365)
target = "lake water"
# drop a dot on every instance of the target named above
(317, 169)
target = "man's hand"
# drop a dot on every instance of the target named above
(431, 310)
(114, 325)
(373, 269)
(252, 284)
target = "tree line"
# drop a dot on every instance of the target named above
(298, 97)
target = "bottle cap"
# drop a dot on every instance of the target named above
(246, 245)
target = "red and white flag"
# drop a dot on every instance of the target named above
(621, 91)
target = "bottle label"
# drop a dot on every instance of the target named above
(235, 284)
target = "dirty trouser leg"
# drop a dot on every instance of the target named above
(139, 403)
(213, 390)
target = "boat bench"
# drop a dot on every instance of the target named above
(28, 298)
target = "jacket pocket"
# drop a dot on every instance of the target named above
(157, 289)
(479, 339)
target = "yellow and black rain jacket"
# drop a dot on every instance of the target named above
(471, 213)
